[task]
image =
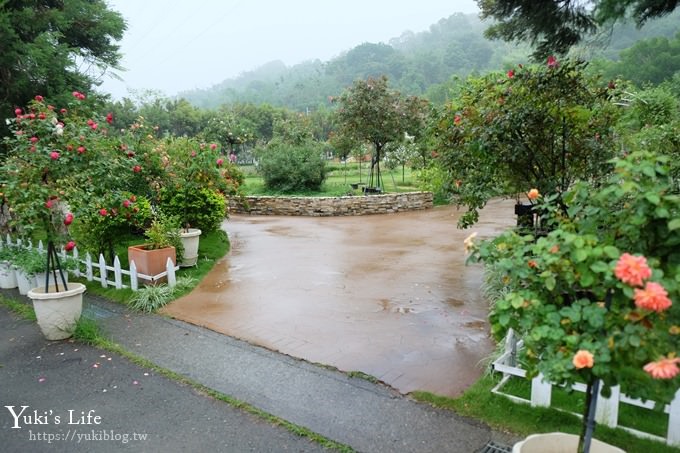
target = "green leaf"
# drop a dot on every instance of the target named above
(599, 267)
(612, 252)
(653, 198)
(580, 255)
(550, 283)
(587, 279)
(674, 224)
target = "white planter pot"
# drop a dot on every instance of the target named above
(190, 241)
(40, 280)
(559, 443)
(8, 276)
(58, 312)
(24, 282)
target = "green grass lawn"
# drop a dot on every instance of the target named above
(338, 181)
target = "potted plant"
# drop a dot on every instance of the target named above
(163, 242)
(28, 263)
(8, 278)
(592, 293)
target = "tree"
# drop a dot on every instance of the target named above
(45, 44)
(371, 112)
(535, 127)
(554, 26)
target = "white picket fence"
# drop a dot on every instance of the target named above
(607, 411)
(100, 271)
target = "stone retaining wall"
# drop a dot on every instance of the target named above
(333, 206)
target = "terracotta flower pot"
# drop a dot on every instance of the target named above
(57, 312)
(151, 262)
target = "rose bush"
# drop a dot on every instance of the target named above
(542, 127)
(593, 291)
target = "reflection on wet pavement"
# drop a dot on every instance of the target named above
(388, 295)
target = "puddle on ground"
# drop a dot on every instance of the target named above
(388, 295)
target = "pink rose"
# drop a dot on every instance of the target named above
(54, 155)
(103, 212)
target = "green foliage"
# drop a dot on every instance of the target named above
(541, 127)
(289, 168)
(88, 331)
(42, 39)
(653, 60)
(563, 295)
(436, 180)
(204, 209)
(124, 213)
(164, 232)
(553, 27)
(150, 298)
(30, 261)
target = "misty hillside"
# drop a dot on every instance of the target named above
(415, 63)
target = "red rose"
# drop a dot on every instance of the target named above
(39, 98)
(70, 245)
(137, 168)
(109, 118)
(126, 203)
(42, 116)
(103, 212)
(17, 112)
(34, 139)
(48, 204)
(81, 149)
(68, 219)
(213, 146)
(54, 155)
(220, 162)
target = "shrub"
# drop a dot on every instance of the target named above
(204, 209)
(289, 168)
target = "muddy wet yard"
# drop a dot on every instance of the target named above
(387, 295)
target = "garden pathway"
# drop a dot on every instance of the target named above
(387, 295)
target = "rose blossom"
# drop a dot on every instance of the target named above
(533, 194)
(632, 270)
(583, 359)
(653, 297)
(70, 245)
(103, 212)
(665, 368)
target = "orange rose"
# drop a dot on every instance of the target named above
(583, 359)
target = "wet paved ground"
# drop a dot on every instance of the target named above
(388, 295)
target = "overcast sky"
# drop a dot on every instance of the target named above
(181, 45)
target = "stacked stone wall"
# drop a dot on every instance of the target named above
(332, 206)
